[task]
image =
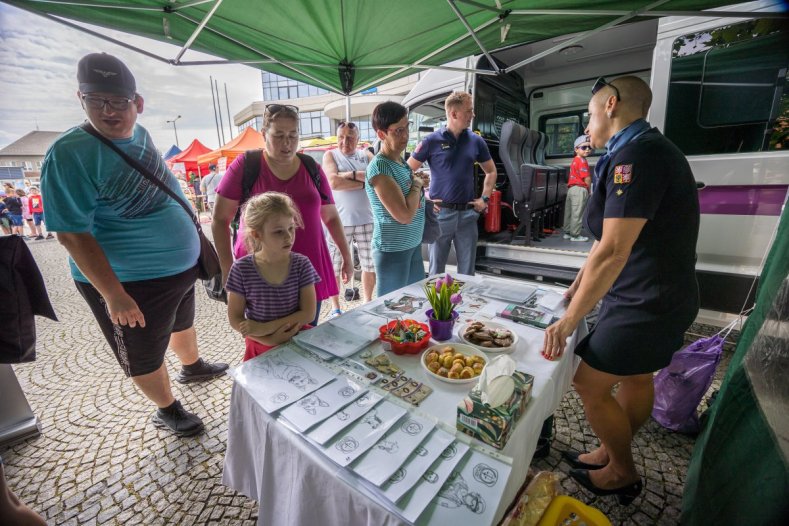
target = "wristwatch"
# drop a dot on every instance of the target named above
(485, 199)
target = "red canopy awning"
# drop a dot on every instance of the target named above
(190, 158)
(249, 139)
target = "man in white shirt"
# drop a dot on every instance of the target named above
(345, 168)
(209, 184)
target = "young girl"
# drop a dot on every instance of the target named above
(271, 291)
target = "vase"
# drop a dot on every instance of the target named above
(441, 329)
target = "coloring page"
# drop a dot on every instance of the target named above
(383, 459)
(469, 307)
(432, 480)
(333, 339)
(344, 417)
(408, 474)
(404, 307)
(365, 433)
(278, 379)
(471, 494)
(359, 322)
(321, 404)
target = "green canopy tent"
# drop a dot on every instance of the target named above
(347, 46)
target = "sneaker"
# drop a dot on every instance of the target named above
(200, 371)
(333, 314)
(39, 237)
(50, 236)
(567, 236)
(178, 420)
(579, 238)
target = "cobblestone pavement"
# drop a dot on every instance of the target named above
(101, 461)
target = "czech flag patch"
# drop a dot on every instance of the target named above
(623, 173)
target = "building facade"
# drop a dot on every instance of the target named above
(28, 154)
(320, 111)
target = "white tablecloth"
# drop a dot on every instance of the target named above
(294, 484)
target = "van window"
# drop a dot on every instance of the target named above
(562, 129)
(728, 89)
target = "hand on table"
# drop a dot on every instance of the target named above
(555, 340)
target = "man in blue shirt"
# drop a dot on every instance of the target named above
(451, 153)
(133, 248)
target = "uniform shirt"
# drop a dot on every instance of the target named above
(579, 171)
(144, 233)
(352, 205)
(388, 234)
(266, 301)
(452, 163)
(650, 178)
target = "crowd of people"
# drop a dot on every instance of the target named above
(299, 219)
(18, 207)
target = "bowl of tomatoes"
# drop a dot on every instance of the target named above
(405, 336)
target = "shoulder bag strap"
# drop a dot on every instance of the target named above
(143, 171)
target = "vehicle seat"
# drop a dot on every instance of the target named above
(511, 151)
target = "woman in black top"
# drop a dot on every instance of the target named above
(644, 215)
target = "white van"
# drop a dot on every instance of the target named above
(720, 94)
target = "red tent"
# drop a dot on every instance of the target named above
(189, 158)
(249, 139)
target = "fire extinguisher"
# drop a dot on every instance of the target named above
(493, 214)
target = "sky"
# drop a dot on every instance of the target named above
(38, 82)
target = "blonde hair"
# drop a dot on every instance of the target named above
(457, 99)
(262, 208)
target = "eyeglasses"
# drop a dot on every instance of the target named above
(584, 148)
(398, 131)
(273, 109)
(601, 83)
(350, 125)
(95, 102)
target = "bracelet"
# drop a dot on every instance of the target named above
(353, 175)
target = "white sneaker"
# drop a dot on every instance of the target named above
(579, 238)
(567, 236)
(334, 313)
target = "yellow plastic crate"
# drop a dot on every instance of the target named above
(567, 511)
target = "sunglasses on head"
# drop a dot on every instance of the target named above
(601, 83)
(273, 109)
(343, 124)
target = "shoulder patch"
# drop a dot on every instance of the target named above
(623, 173)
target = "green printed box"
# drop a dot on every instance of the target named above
(493, 425)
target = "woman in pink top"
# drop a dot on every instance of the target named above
(282, 171)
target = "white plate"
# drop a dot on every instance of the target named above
(457, 347)
(491, 325)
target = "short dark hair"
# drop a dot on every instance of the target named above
(386, 114)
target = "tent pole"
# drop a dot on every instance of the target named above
(473, 35)
(213, 105)
(227, 107)
(347, 108)
(219, 106)
(197, 31)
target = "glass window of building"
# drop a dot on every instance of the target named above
(277, 87)
(314, 124)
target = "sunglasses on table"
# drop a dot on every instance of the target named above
(95, 102)
(601, 83)
(273, 109)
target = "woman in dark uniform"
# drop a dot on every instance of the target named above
(644, 215)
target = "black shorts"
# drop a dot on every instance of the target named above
(168, 305)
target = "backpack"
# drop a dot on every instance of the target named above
(252, 160)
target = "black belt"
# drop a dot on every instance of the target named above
(456, 206)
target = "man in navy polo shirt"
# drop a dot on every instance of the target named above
(451, 153)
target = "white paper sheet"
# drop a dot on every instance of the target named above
(415, 502)
(471, 494)
(320, 405)
(365, 433)
(508, 292)
(408, 474)
(359, 322)
(378, 464)
(333, 339)
(279, 378)
(343, 418)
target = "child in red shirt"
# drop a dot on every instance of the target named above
(577, 191)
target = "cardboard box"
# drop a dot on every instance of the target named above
(493, 425)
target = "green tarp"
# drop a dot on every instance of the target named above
(738, 473)
(348, 45)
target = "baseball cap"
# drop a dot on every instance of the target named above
(580, 140)
(100, 72)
